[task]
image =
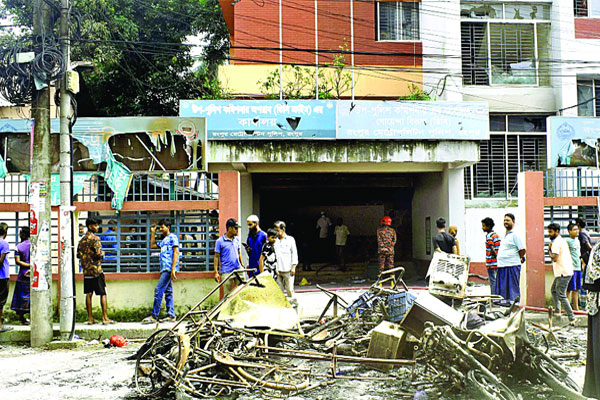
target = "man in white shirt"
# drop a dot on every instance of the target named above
(287, 259)
(562, 265)
(341, 235)
(323, 224)
(510, 257)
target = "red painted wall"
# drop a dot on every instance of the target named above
(587, 28)
(257, 25)
(534, 240)
(229, 198)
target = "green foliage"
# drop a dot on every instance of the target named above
(416, 93)
(300, 82)
(142, 63)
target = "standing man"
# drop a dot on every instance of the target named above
(443, 241)
(109, 241)
(323, 224)
(169, 266)
(492, 244)
(510, 257)
(575, 249)
(256, 241)
(585, 240)
(4, 273)
(228, 255)
(89, 252)
(21, 294)
(562, 265)
(386, 242)
(287, 259)
(341, 235)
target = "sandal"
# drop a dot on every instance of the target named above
(89, 323)
(109, 322)
(168, 319)
(149, 320)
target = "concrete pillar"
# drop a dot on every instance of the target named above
(454, 189)
(229, 198)
(564, 47)
(530, 227)
(246, 206)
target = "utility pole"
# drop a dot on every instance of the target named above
(39, 199)
(66, 227)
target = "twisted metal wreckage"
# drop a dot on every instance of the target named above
(252, 340)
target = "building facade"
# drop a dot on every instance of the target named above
(528, 60)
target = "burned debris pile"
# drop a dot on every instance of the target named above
(253, 341)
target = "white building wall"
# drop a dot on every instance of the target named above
(440, 28)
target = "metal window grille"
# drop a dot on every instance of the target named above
(512, 53)
(474, 52)
(512, 48)
(581, 8)
(500, 160)
(128, 250)
(398, 20)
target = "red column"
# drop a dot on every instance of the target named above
(229, 198)
(534, 238)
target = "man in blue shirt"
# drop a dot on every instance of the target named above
(228, 255)
(510, 257)
(255, 243)
(4, 272)
(109, 242)
(169, 266)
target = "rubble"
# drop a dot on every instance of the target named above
(253, 342)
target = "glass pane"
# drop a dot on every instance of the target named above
(410, 20)
(480, 11)
(527, 11)
(585, 93)
(387, 21)
(543, 52)
(527, 123)
(498, 123)
(512, 54)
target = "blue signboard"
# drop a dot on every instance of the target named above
(574, 141)
(414, 120)
(264, 119)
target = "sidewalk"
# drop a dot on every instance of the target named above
(129, 330)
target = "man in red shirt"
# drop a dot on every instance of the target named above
(492, 244)
(386, 241)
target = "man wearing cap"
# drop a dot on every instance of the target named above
(256, 241)
(386, 242)
(228, 255)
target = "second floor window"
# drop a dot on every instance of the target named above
(587, 8)
(511, 48)
(397, 20)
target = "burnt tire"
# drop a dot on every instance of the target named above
(553, 375)
(488, 387)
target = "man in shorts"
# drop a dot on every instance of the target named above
(89, 252)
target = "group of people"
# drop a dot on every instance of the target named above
(21, 296)
(340, 232)
(273, 251)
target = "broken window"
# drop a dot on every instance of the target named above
(505, 49)
(588, 104)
